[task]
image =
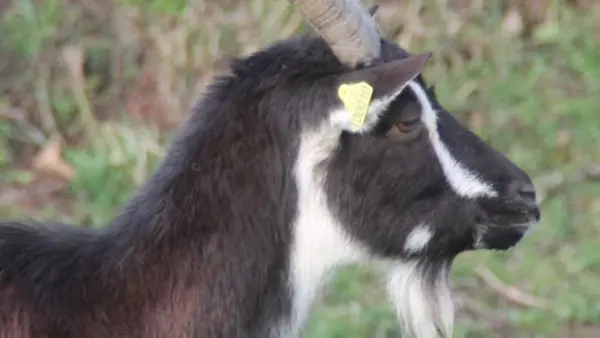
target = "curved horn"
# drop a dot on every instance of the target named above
(346, 27)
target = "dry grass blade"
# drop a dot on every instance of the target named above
(559, 181)
(27, 131)
(49, 160)
(507, 291)
(73, 58)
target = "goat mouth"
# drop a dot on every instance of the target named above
(520, 223)
(500, 237)
(514, 218)
(504, 214)
(511, 227)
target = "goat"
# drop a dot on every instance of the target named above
(313, 153)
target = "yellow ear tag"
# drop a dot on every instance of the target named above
(356, 98)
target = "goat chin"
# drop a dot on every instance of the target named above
(420, 294)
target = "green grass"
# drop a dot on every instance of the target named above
(534, 97)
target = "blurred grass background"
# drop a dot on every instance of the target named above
(92, 90)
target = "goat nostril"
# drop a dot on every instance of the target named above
(523, 197)
(536, 214)
(526, 191)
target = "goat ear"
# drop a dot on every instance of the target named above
(366, 93)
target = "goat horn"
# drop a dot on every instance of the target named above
(346, 27)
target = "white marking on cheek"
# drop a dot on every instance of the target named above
(424, 308)
(418, 239)
(478, 240)
(319, 242)
(464, 182)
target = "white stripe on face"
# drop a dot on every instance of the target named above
(464, 182)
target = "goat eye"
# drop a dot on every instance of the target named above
(408, 125)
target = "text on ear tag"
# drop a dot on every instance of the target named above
(356, 98)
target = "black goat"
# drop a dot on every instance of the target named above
(313, 153)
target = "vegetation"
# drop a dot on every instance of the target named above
(91, 91)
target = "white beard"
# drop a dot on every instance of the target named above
(420, 294)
